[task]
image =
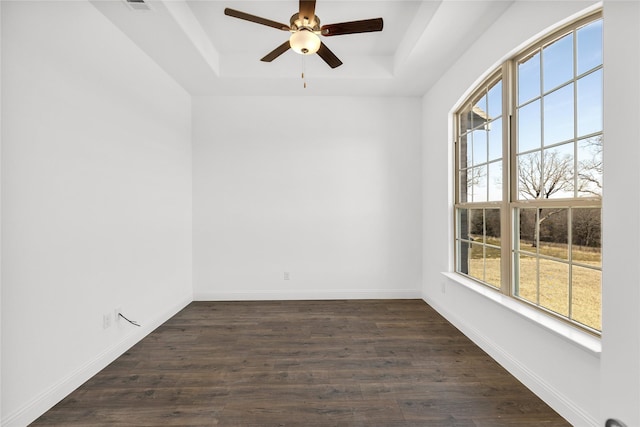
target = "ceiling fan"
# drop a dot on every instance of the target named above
(305, 30)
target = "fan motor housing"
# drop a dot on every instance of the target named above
(298, 23)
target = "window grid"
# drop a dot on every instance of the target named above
(474, 127)
(542, 94)
(561, 270)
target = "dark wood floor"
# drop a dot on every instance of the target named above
(304, 363)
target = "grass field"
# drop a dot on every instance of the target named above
(547, 282)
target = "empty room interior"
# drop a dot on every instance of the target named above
(393, 179)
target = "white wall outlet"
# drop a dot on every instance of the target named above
(443, 287)
(286, 275)
(106, 320)
(116, 314)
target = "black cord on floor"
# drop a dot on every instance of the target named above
(133, 322)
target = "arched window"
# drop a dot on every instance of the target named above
(528, 164)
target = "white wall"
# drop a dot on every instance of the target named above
(620, 370)
(96, 199)
(327, 189)
(564, 374)
(0, 209)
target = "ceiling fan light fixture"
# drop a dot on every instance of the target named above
(306, 30)
(304, 42)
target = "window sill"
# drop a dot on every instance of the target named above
(571, 334)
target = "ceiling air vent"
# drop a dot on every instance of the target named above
(138, 4)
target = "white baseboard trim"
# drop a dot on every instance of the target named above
(307, 295)
(48, 398)
(550, 395)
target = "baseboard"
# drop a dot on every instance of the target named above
(48, 398)
(549, 394)
(307, 295)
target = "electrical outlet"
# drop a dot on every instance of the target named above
(286, 275)
(106, 320)
(443, 287)
(116, 314)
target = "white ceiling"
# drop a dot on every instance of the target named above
(209, 53)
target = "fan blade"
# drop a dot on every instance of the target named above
(276, 52)
(352, 27)
(328, 56)
(307, 9)
(252, 18)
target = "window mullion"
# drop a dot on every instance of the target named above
(506, 226)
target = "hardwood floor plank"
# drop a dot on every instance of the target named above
(349, 363)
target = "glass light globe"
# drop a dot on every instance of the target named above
(304, 42)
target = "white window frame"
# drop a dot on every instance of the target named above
(507, 74)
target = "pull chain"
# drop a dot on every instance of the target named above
(304, 82)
